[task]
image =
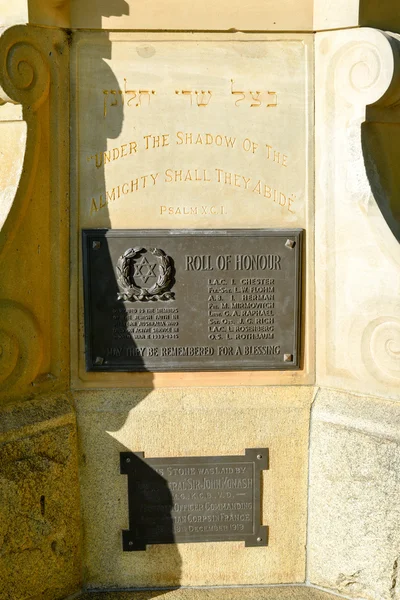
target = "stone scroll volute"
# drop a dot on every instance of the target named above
(357, 281)
(33, 228)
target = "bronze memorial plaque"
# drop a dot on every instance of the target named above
(194, 499)
(201, 300)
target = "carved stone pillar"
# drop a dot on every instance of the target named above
(353, 541)
(34, 237)
(357, 269)
(39, 497)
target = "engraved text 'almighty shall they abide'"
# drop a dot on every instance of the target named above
(193, 176)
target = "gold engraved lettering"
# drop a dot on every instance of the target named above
(276, 156)
(131, 96)
(115, 101)
(291, 199)
(103, 158)
(123, 189)
(199, 98)
(186, 176)
(203, 97)
(131, 93)
(105, 92)
(257, 187)
(235, 93)
(146, 94)
(156, 141)
(249, 146)
(193, 176)
(256, 99)
(204, 139)
(273, 101)
(192, 210)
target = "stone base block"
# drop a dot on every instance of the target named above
(219, 593)
(184, 423)
(354, 517)
(39, 501)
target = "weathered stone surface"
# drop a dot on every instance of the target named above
(286, 15)
(357, 271)
(244, 593)
(196, 422)
(354, 512)
(221, 15)
(39, 502)
(352, 13)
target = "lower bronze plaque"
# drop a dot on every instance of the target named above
(195, 499)
(199, 300)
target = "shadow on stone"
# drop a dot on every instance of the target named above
(381, 151)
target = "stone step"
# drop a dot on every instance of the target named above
(287, 592)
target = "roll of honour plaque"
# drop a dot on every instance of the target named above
(162, 300)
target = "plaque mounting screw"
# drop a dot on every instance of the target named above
(259, 539)
(99, 360)
(130, 543)
(259, 456)
(128, 460)
(290, 244)
(96, 245)
(288, 357)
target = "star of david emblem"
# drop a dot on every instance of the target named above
(144, 269)
(133, 266)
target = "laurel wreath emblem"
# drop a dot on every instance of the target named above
(158, 291)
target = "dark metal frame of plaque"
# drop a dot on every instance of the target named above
(102, 287)
(154, 506)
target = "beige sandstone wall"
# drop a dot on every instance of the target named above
(353, 541)
(194, 422)
(191, 414)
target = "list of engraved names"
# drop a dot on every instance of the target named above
(199, 300)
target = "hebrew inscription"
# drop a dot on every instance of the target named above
(194, 499)
(199, 98)
(199, 300)
(181, 122)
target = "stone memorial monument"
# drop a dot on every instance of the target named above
(199, 299)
